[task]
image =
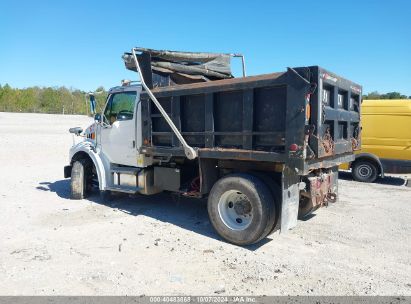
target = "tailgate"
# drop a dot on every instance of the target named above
(334, 125)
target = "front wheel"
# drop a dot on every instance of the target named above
(79, 179)
(364, 171)
(241, 209)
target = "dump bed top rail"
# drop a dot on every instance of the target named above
(221, 85)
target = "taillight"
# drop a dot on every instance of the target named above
(307, 108)
(307, 112)
(293, 147)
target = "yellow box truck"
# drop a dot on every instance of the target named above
(386, 140)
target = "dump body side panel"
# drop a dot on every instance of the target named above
(258, 118)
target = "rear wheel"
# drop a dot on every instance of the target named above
(241, 209)
(364, 171)
(276, 193)
(80, 181)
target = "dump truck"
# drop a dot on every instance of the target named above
(263, 150)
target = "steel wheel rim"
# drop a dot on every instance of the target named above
(235, 210)
(364, 171)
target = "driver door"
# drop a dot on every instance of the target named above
(118, 142)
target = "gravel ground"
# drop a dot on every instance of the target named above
(157, 245)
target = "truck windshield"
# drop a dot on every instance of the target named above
(120, 107)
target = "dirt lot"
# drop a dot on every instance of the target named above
(50, 244)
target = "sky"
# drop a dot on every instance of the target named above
(79, 44)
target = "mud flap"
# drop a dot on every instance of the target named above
(291, 199)
(334, 183)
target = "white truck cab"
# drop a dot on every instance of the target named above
(109, 154)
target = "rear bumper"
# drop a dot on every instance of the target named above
(327, 162)
(67, 171)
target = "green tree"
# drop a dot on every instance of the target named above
(389, 95)
(372, 95)
(100, 89)
(392, 95)
(46, 100)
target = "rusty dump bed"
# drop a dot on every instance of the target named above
(305, 116)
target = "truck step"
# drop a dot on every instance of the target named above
(124, 189)
(125, 170)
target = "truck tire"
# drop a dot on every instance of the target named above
(241, 209)
(364, 171)
(79, 179)
(276, 194)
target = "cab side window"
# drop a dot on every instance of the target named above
(120, 107)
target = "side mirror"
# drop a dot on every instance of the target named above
(76, 130)
(97, 117)
(121, 117)
(124, 116)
